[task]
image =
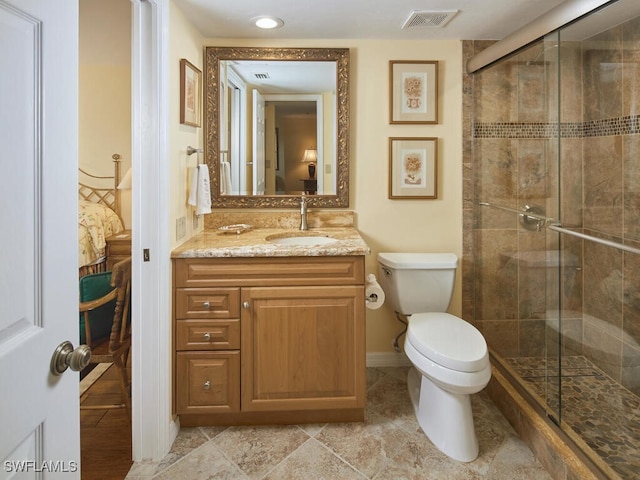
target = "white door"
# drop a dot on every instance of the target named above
(39, 412)
(258, 143)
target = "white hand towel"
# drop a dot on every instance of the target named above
(225, 178)
(200, 194)
(193, 190)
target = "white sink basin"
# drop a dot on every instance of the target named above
(301, 240)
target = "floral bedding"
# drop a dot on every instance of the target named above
(96, 222)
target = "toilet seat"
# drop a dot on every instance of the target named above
(448, 341)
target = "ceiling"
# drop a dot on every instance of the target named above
(363, 19)
(287, 77)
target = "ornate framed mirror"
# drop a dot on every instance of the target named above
(276, 124)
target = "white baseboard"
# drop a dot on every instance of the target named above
(387, 359)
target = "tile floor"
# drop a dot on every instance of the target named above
(388, 445)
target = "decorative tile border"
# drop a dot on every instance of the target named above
(628, 125)
(594, 128)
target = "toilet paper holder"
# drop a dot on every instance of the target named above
(373, 295)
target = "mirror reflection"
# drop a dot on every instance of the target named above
(276, 125)
(278, 108)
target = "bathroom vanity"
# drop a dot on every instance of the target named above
(269, 327)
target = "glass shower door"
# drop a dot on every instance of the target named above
(516, 150)
(556, 228)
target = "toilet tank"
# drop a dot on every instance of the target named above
(417, 282)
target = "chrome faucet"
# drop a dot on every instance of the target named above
(303, 212)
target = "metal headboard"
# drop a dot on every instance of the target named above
(105, 194)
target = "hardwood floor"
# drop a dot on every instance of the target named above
(105, 435)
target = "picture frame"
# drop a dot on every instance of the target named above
(413, 92)
(413, 168)
(190, 93)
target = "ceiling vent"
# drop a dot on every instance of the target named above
(262, 76)
(425, 18)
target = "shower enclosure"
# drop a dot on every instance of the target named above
(552, 223)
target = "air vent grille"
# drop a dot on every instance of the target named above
(424, 18)
(262, 76)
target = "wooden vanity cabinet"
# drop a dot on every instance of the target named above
(301, 344)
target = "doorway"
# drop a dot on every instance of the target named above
(105, 130)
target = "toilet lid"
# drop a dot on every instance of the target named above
(448, 341)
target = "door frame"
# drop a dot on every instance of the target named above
(318, 99)
(237, 104)
(154, 428)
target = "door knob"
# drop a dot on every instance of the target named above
(66, 357)
(246, 305)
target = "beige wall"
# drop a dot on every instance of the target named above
(105, 89)
(404, 225)
(397, 225)
(186, 42)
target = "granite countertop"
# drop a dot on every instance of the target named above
(255, 243)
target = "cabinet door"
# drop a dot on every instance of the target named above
(207, 382)
(303, 348)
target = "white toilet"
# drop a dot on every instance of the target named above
(449, 355)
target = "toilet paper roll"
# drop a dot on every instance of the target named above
(374, 295)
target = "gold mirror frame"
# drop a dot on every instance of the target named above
(213, 56)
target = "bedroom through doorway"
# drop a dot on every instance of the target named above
(104, 85)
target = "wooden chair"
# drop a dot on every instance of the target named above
(97, 305)
(115, 348)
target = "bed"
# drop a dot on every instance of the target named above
(98, 217)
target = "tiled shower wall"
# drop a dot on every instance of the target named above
(510, 152)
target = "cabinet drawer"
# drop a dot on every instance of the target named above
(207, 303)
(208, 334)
(281, 271)
(207, 382)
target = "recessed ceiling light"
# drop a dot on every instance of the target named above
(267, 22)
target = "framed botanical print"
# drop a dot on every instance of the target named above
(413, 92)
(413, 168)
(190, 96)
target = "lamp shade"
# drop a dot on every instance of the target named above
(310, 156)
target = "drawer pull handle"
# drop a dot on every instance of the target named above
(207, 385)
(207, 336)
(245, 305)
(206, 305)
